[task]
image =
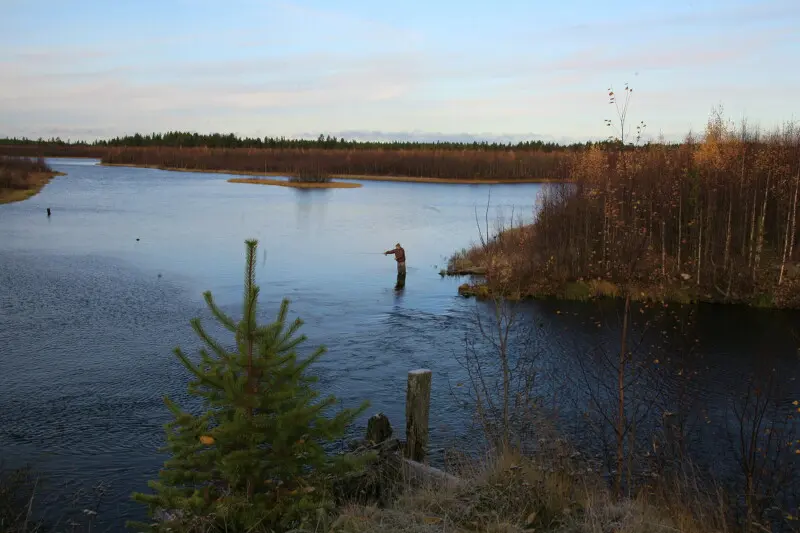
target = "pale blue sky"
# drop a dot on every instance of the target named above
(510, 69)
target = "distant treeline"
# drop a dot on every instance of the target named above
(465, 164)
(324, 157)
(178, 139)
(33, 149)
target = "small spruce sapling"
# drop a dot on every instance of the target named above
(253, 460)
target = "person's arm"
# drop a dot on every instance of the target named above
(390, 252)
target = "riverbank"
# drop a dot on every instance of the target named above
(22, 178)
(513, 265)
(351, 177)
(583, 291)
(548, 493)
(505, 493)
(298, 184)
(38, 180)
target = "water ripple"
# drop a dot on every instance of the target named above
(89, 316)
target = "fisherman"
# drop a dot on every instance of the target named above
(400, 257)
(48, 211)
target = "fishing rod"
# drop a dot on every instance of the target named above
(264, 256)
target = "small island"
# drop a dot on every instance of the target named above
(21, 178)
(298, 184)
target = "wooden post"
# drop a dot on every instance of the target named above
(418, 401)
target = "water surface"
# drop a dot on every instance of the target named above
(94, 298)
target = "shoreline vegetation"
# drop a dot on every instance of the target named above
(22, 178)
(442, 162)
(349, 177)
(422, 166)
(714, 219)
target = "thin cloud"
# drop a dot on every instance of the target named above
(667, 55)
(731, 15)
(316, 69)
(344, 23)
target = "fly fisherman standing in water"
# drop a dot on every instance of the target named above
(400, 257)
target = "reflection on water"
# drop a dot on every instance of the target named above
(89, 314)
(401, 281)
(312, 205)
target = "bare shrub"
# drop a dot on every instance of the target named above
(18, 172)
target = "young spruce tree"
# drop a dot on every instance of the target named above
(253, 460)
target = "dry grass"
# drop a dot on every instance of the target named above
(298, 184)
(25, 507)
(17, 492)
(603, 289)
(508, 242)
(465, 262)
(504, 261)
(553, 493)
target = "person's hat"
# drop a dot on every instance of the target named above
(397, 245)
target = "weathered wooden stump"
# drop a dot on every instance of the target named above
(391, 473)
(418, 399)
(379, 428)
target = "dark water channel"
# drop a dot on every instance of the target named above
(89, 314)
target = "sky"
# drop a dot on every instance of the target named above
(438, 69)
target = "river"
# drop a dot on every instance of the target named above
(94, 298)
